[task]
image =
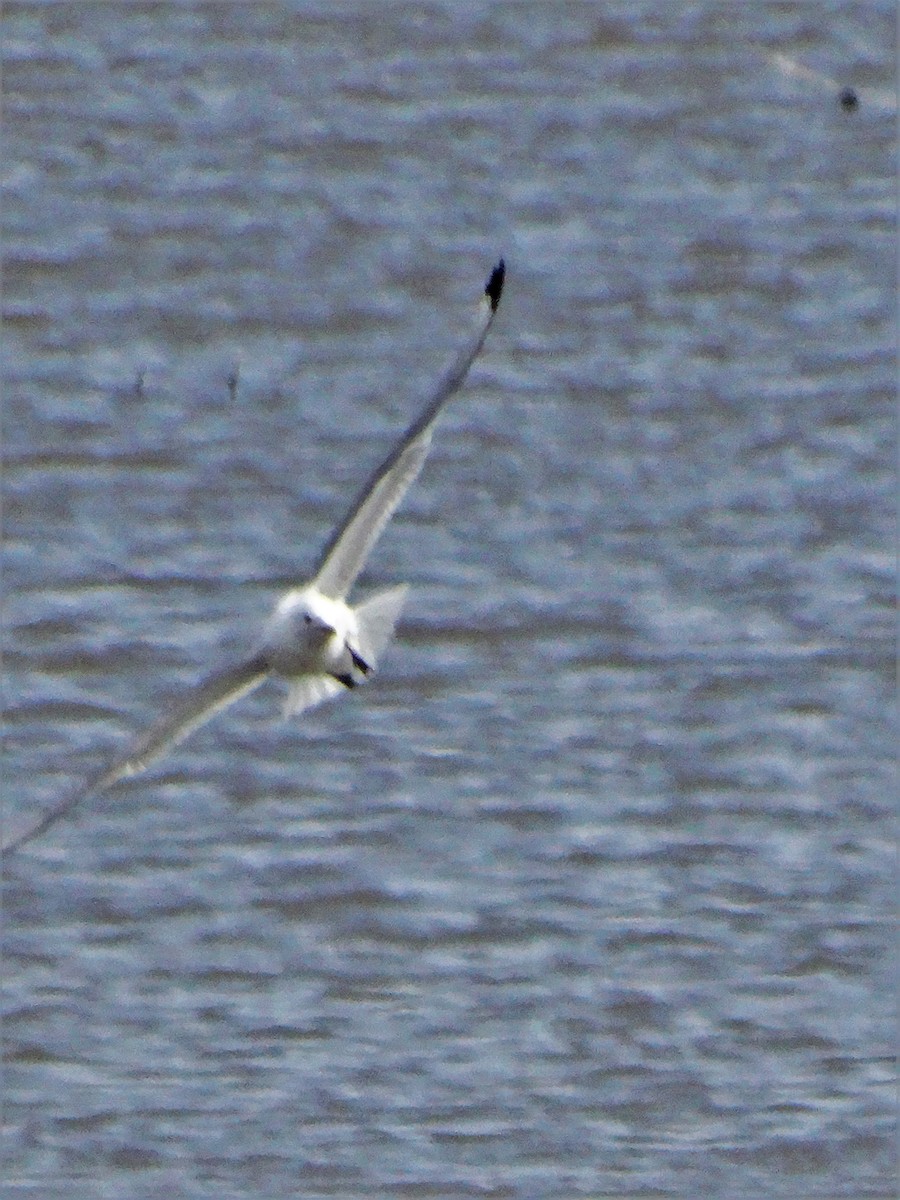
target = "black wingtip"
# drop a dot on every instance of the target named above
(494, 286)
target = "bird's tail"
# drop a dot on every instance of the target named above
(377, 618)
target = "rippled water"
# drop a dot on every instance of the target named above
(588, 892)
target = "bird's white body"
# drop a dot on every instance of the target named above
(314, 639)
(321, 646)
(310, 633)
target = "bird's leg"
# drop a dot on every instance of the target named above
(359, 662)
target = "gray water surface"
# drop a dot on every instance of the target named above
(588, 892)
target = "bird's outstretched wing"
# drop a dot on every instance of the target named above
(347, 550)
(195, 709)
(341, 562)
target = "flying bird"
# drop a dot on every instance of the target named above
(314, 639)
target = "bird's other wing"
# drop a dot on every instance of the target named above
(309, 690)
(180, 720)
(346, 552)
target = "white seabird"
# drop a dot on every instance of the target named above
(314, 639)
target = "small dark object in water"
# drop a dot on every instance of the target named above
(849, 99)
(233, 380)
